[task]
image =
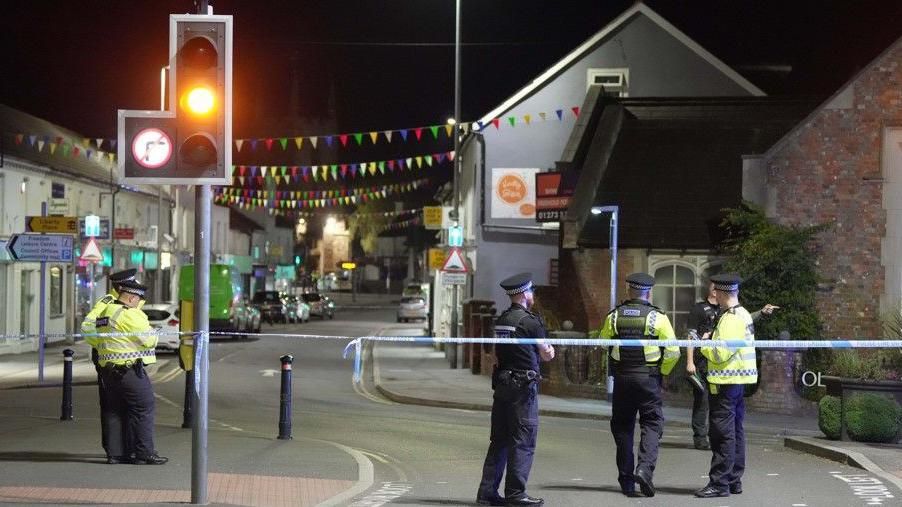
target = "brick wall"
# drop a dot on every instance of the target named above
(777, 388)
(585, 285)
(828, 172)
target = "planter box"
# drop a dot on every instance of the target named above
(838, 386)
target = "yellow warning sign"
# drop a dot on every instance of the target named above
(436, 258)
(432, 218)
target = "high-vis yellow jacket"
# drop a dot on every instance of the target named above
(638, 319)
(732, 366)
(89, 325)
(128, 348)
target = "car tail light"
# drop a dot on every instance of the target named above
(173, 322)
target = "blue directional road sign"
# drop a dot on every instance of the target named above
(41, 247)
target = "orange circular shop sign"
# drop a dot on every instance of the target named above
(511, 188)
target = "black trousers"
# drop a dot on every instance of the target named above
(727, 436)
(131, 409)
(700, 403)
(636, 394)
(515, 427)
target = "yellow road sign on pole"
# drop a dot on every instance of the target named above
(432, 217)
(436, 258)
(63, 225)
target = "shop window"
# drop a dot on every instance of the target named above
(675, 293)
(56, 290)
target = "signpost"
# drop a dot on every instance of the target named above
(41, 247)
(454, 271)
(64, 225)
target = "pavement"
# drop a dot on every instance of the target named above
(405, 373)
(418, 374)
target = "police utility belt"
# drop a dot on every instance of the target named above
(516, 378)
(635, 369)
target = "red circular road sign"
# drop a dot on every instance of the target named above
(152, 148)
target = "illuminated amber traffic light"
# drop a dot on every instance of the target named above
(203, 92)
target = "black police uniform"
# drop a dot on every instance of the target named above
(702, 318)
(114, 434)
(637, 389)
(515, 408)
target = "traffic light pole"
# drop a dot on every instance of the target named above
(201, 372)
(203, 199)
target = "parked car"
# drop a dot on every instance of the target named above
(298, 310)
(272, 306)
(320, 305)
(246, 317)
(164, 317)
(412, 307)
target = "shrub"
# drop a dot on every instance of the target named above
(828, 417)
(873, 418)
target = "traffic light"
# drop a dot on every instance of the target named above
(190, 143)
(202, 95)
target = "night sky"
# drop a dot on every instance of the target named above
(389, 63)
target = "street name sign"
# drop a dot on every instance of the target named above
(63, 225)
(41, 247)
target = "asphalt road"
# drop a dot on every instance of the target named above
(412, 455)
(433, 456)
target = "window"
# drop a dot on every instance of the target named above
(56, 290)
(614, 81)
(674, 293)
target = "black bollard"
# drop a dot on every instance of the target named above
(67, 385)
(285, 399)
(186, 406)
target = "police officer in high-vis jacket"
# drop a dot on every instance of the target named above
(515, 409)
(637, 382)
(729, 369)
(122, 358)
(110, 425)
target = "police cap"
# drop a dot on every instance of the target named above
(133, 287)
(640, 281)
(727, 282)
(517, 284)
(121, 276)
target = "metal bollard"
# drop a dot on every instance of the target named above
(186, 406)
(285, 399)
(66, 408)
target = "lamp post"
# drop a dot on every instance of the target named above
(455, 210)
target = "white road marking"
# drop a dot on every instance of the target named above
(576, 479)
(772, 475)
(375, 456)
(268, 373)
(442, 482)
(800, 505)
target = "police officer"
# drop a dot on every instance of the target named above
(515, 409)
(702, 318)
(729, 369)
(110, 424)
(122, 359)
(637, 382)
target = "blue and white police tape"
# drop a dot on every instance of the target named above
(85, 335)
(357, 343)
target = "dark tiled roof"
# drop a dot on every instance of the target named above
(676, 163)
(13, 122)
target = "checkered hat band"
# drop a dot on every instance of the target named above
(137, 292)
(637, 286)
(519, 290)
(729, 287)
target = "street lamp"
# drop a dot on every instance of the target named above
(455, 213)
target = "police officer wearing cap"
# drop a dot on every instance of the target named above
(122, 358)
(729, 369)
(110, 425)
(702, 318)
(637, 382)
(515, 409)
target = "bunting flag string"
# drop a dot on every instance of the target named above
(105, 149)
(374, 136)
(410, 222)
(278, 199)
(258, 175)
(326, 213)
(89, 149)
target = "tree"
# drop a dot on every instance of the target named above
(368, 221)
(777, 263)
